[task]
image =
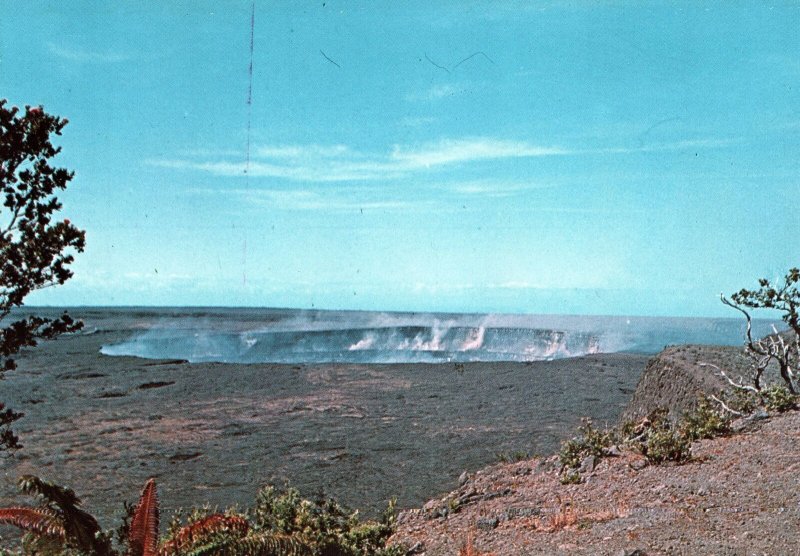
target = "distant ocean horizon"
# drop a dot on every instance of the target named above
(298, 336)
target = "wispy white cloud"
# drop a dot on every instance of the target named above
(313, 200)
(303, 151)
(341, 163)
(318, 163)
(667, 146)
(82, 55)
(434, 92)
(312, 170)
(468, 150)
(494, 188)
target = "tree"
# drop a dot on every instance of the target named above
(35, 248)
(784, 351)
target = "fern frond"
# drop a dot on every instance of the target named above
(40, 521)
(80, 528)
(52, 493)
(200, 531)
(262, 544)
(144, 525)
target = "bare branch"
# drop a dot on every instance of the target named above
(738, 386)
(750, 343)
(724, 406)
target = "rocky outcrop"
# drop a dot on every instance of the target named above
(676, 377)
(738, 495)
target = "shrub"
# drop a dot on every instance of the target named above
(705, 421)
(658, 439)
(570, 477)
(778, 398)
(325, 525)
(667, 444)
(512, 457)
(743, 401)
(590, 442)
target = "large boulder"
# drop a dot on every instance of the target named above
(675, 378)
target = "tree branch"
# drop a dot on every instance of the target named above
(738, 386)
(724, 406)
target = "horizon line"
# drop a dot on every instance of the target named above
(390, 311)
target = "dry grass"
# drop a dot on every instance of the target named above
(569, 516)
(468, 549)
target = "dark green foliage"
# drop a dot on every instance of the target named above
(784, 297)
(571, 453)
(34, 247)
(590, 442)
(705, 421)
(123, 532)
(8, 440)
(776, 398)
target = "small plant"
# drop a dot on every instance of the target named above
(590, 442)
(570, 477)
(658, 439)
(453, 505)
(571, 453)
(569, 515)
(512, 457)
(325, 525)
(778, 398)
(210, 530)
(705, 421)
(743, 402)
(566, 516)
(665, 445)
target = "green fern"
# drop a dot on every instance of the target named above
(81, 530)
(259, 544)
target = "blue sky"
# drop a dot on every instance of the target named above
(542, 157)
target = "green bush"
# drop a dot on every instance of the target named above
(658, 439)
(328, 527)
(743, 401)
(667, 444)
(570, 477)
(590, 442)
(778, 398)
(705, 421)
(512, 457)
